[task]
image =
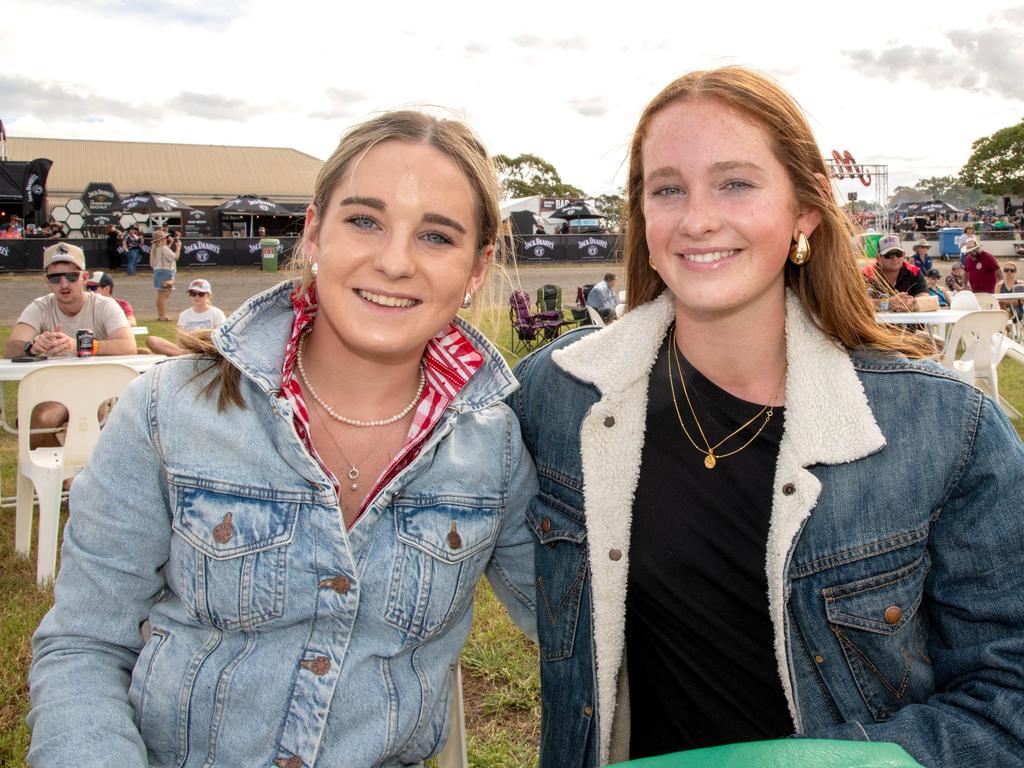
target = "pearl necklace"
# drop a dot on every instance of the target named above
(356, 422)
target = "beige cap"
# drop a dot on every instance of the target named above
(64, 252)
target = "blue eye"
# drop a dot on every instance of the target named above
(669, 191)
(362, 222)
(738, 184)
(438, 238)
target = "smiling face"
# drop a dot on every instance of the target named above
(720, 210)
(396, 249)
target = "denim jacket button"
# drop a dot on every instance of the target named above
(893, 614)
(819, 659)
(289, 762)
(615, 554)
(339, 584)
(788, 489)
(454, 539)
(609, 421)
(545, 524)
(588, 711)
(319, 666)
(223, 532)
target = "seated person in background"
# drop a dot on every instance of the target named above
(955, 279)
(103, 284)
(1010, 285)
(892, 280)
(49, 326)
(602, 297)
(932, 278)
(920, 258)
(201, 316)
(983, 270)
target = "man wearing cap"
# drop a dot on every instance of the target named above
(103, 284)
(983, 271)
(201, 316)
(955, 279)
(49, 325)
(891, 279)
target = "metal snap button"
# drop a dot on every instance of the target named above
(609, 421)
(289, 762)
(819, 659)
(615, 554)
(224, 531)
(454, 540)
(788, 489)
(893, 614)
(339, 584)
(545, 524)
(588, 711)
(319, 666)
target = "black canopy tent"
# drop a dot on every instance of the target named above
(253, 207)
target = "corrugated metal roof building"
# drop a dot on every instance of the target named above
(196, 174)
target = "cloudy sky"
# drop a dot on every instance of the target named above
(909, 85)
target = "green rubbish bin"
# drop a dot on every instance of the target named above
(269, 248)
(871, 244)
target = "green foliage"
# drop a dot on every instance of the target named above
(526, 175)
(614, 207)
(996, 164)
(949, 189)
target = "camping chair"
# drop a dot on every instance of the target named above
(981, 335)
(82, 390)
(549, 299)
(528, 329)
(582, 292)
(454, 754)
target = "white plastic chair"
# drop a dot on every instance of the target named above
(987, 300)
(80, 389)
(981, 334)
(595, 317)
(964, 300)
(454, 754)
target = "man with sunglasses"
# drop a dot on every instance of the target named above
(904, 280)
(49, 324)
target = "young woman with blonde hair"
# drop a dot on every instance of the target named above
(747, 525)
(299, 514)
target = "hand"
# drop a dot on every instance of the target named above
(53, 343)
(902, 302)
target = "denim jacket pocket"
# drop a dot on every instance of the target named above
(229, 553)
(444, 545)
(883, 636)
(155, 716)
(561, 564)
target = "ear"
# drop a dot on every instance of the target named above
(483, 261)
(809, 217)
(311, 229)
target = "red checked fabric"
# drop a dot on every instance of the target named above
(450, 360)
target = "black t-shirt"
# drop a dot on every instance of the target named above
(911, 281)
(699, 639)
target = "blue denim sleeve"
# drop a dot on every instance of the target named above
(511, 570)
(115, 542)
(974, 595)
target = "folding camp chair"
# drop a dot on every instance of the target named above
(529, 329)
(549, 299)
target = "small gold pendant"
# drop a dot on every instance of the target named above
(710, 461)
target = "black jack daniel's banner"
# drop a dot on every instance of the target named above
(34, 185)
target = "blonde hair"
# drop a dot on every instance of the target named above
(452, 138)
(830, 286)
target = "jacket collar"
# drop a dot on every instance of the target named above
(823, 395)
(255, 335)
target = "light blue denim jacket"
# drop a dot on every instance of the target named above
(895, 558)
(278, 639)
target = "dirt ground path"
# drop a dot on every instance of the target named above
(231, 287)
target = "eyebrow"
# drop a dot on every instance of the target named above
(379, 205)
(719, 167)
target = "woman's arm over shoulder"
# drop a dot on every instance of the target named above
(974, 595)
(115, 544)
(511, 570)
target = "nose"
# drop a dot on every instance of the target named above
(699, 215)
(396, 259)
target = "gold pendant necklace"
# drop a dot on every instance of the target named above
(711, 459)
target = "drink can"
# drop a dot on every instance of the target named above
(84, 342)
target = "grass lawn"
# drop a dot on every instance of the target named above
(501, 676)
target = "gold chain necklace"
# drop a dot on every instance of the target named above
(710, 457)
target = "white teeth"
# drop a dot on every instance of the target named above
(707, 258)
(386, 301)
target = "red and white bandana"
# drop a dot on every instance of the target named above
(449, 361)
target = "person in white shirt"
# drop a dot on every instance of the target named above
(201, 316)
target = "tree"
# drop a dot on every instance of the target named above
(947, 188)
(996, 164)
(528, 175)
(612, 206)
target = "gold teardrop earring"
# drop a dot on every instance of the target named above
(800, 251)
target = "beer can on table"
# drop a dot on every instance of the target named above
(84, 345)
